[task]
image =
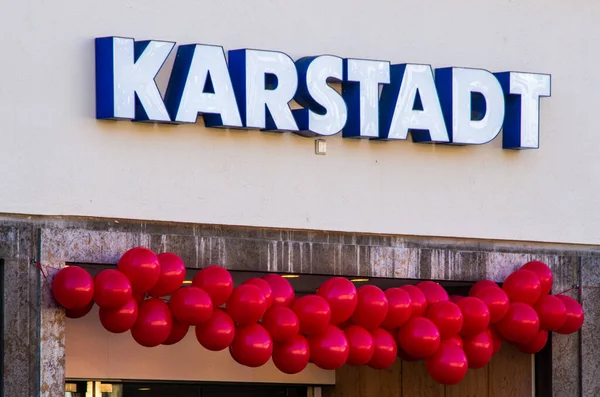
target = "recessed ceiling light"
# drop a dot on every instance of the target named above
(290, 275)
(359, 280)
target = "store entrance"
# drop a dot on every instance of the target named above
(163, 389)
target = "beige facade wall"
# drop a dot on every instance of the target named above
(58, 159)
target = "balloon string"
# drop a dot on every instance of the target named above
(574, 288)
(41, 268)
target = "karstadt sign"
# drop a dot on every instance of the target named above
(253, 89)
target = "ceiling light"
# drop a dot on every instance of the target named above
(71, 387)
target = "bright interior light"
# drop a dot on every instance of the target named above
(359, 280)
(106, 388)
(187, 282)
(290, 275)
(71, 387)
(144, 389)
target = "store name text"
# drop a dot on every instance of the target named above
(254, 88)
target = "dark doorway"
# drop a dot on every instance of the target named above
(181, 389)
(209, 390)
(543, 370)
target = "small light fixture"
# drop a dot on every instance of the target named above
(290, 275)
(71, 387)
(320, 146)
(359, 280)
(144, 389)
(106, 388)
(187, 282)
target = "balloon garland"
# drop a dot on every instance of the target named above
(340, 324)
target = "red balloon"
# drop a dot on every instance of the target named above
(191, 305)
(479, 349)
(217, 333)
(575, 315)
(496, 301)
(345, 324)
(417, 299)
(246, 305)
(111, 289)
(264, 287)
(476, 316)
(291, 357)
(119, 320)
(283, 293)
(520, 324)
(154, 323)
(433, 292)
(419, 338)
(360, 342)
(342, 297)
(73, 287)
(141, 267)
(404, 356)
(217, 282)
(544, 274)
(138, 297)
(372, 307)
(456, 339)
(385, 349)
(329, 350)
(172, 274)
(536, 344)
(252, 345)
(313, 312)
(281, 323)
(552, 312)
(448, 365)
(178, 332)
(523, 286)
(482, 284)
(447, 317)
(455, 298)
(78, 313)
(496, 339)
(399, 308)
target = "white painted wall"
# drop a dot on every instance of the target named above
(57, 159)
